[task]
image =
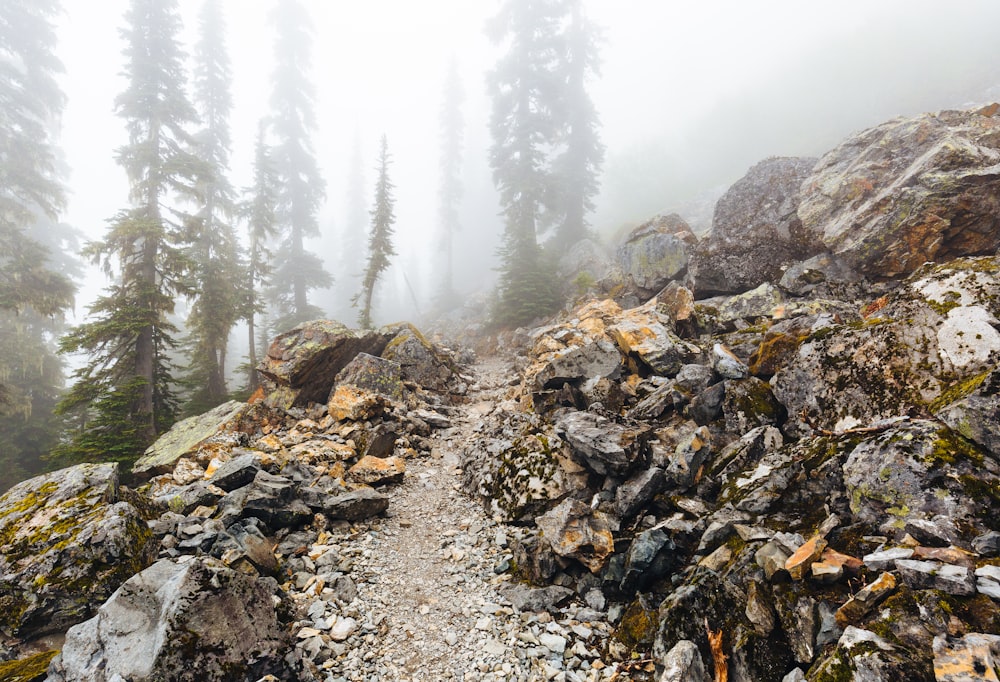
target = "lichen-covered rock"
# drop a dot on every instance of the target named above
(575, 531)
(911, 190)
(645, 335)
(193, 620)
(915, 472)
(374, 374)
(976, 415)
(376, 471)
(304, 361)
(975, 656)
(201, 436)
(756, 230)
(863, 656)
(599, 443)
(683, 664)
(350, 403)
(931, 335)
(67, 539)
(749, 403)
(656, 252)
(29, 669)
(590, 361)
(418, 359)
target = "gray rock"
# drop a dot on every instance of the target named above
(756, 230)
(690, 453)
(976, 415)
(886, 559)
(575, 531)
(656, 252)
(804, 277)
(652, 554)
(374, 374)
(694, 378)
(525, 598)
(242, 546)
(579, 364)
(236, 473)
(419, 360)
(353, 505)
(191, 620)
(772, 557)
(749, 403)
(636, 492)
(987, 544)
(200, 435)
(186, 499)
(911, 190)
(597, 442)
(727, 365)
(799, 620)
(683, 664)
(933, 575)
(750, 305)
(795, 676)
(706, 407)
(69, 540)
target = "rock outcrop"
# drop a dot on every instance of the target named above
(656, 252)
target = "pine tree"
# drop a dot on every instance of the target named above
(124, 396)
(578, 166)
(259, 212)
(296, 271)
(525, 89)
(380, 237)
(213, 251)
(450, 192)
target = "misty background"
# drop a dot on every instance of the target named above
(690, 96)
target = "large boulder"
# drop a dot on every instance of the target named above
(418, 359)
(301, 364)
(911, 190)
(202, 436)
(656, 252)
(190, 619)
(67, 541)
(934, 333)
(756, 231)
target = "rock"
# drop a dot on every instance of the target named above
(189, 497)
(804, 277)
(799, 620)
(863, 656)
(576, 531)
(635, 493)
(195, 619)
(236, 473)
(377, 471)
(772, 557)
(683, 664)
(525, 598)
(933, 575)
(759, 611)
(690, 453)
(199, 437)
(756, 231)
(749, 403)
(656, 252)
(378, 441)
(351, 506)
(553, 642)
(795, 676)
(306, 359)
(272, 499)
(987, 544)
(350, 403)
(68, 540)
(652, 554)
(928, 337)
(886, 559)
(600, 444)
(799, 562)
(343, 628)
(726, 364)
(763, 301)
(589, 361)
(706, 407)
(28, 669)
(373, 374)
(244, 548)
(920, 473)
(866, 599)
(911, 190)
(976, 415)
(975, 656)
(645, 336)
(418, 359)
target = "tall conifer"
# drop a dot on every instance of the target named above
(380, 247)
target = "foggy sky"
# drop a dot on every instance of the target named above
(691, 95)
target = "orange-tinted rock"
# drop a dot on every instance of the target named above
(376, 471)
(866, 599)
(798, 564)
(355, 404)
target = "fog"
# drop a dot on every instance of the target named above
(690, 95)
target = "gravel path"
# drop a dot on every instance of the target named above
(428, 604)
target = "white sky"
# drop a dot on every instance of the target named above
(379, 67)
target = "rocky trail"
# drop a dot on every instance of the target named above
(430, 578)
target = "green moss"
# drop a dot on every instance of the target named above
(30, 669)
(949, 447)
(958, 390)
(638, 626)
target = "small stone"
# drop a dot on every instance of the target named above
(826, 573)
(343, 628)
(866, 599)
(554, 643)
(718, 559)
(771, 557)
(975, 656)
(727, 364)
(683, 664)
(931, 575)
(885, 559)
(798, 564)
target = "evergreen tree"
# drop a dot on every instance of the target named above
(124, 396)
(259, 213)
(578, 166)
(296, 271)
(380, 237)
(213, 251)
(450, 192)
(525, 89)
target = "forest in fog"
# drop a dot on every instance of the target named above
(257, 165)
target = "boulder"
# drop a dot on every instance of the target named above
(190, 619)
(683, 664)
(353, 505)
(976, 414)
(525, 598)
(811, 274)
(912, 190)
(575, 531)
(921, 477)
(932, 334)
(68, 539)
(756, 231)
(373, 374)
(350, 403)
(599, 443)
(236, 472)
(418, 359)
(577, 364)
(645, 335)
(376, 471)
(200, 437)
(305, 360)
(656, 252)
